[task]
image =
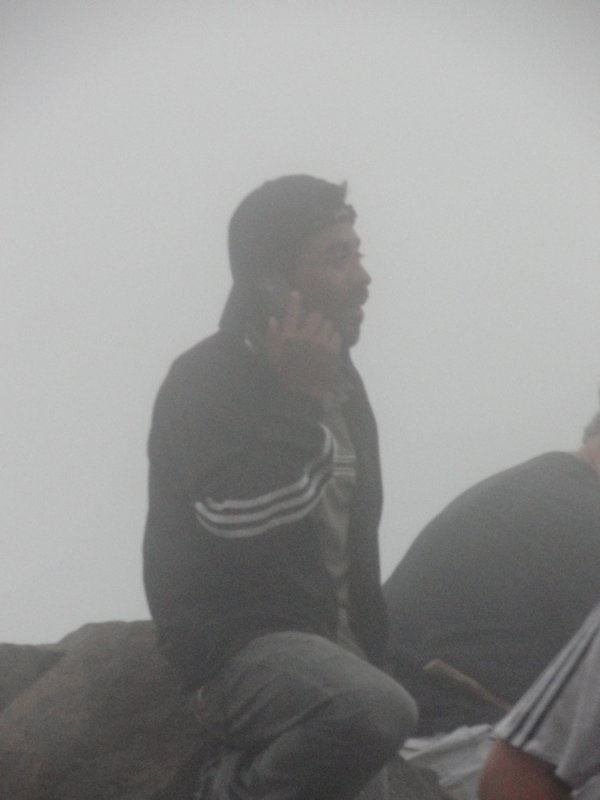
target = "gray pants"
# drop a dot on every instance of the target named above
(295, 717)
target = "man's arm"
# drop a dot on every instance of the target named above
(511, 774)
(273, 483)
(247, 469)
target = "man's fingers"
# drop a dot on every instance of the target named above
(273, 340)
(335, 343)
(321, 332)
(291, 319)
(303, 348)
(312, 326)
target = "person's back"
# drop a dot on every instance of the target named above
(495, 585)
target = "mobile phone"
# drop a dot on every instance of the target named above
(277, 295)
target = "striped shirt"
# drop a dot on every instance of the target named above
(333, 512)
(558, 718)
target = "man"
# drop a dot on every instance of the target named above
(261, 554)
(548, 745)
(496, 584)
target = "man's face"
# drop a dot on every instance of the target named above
(331, 278)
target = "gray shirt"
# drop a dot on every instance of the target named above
(558, 718)
(334, 512)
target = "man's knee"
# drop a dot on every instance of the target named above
(388, 716)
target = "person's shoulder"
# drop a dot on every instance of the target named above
(205, 369)
(549, 466)
(215, 347)
(553, 461)
(555, 473)
(221, 353)
(495, 493)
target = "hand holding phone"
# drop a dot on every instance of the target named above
(303, 348)
(277, 293)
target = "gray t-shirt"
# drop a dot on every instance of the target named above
(334, 512)
(558, 718)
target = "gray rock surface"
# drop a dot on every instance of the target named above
(21, 665)
(106, 720)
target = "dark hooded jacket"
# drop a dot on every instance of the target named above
(231, 549)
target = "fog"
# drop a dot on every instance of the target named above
(468, 132)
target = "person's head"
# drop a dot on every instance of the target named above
(592, 429)
(590, 447)
(297, 232)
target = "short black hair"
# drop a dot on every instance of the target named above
(270, 225)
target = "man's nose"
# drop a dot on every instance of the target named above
(361, 276)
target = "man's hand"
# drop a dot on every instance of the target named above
(304, 351)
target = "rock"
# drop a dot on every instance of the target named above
(21, 665)
(107, 720)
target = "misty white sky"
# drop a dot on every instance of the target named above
(469, 133)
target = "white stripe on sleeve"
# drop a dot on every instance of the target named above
(250, 517)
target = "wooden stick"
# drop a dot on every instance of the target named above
(442, 669)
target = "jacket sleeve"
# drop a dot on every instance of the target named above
(247, 461)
